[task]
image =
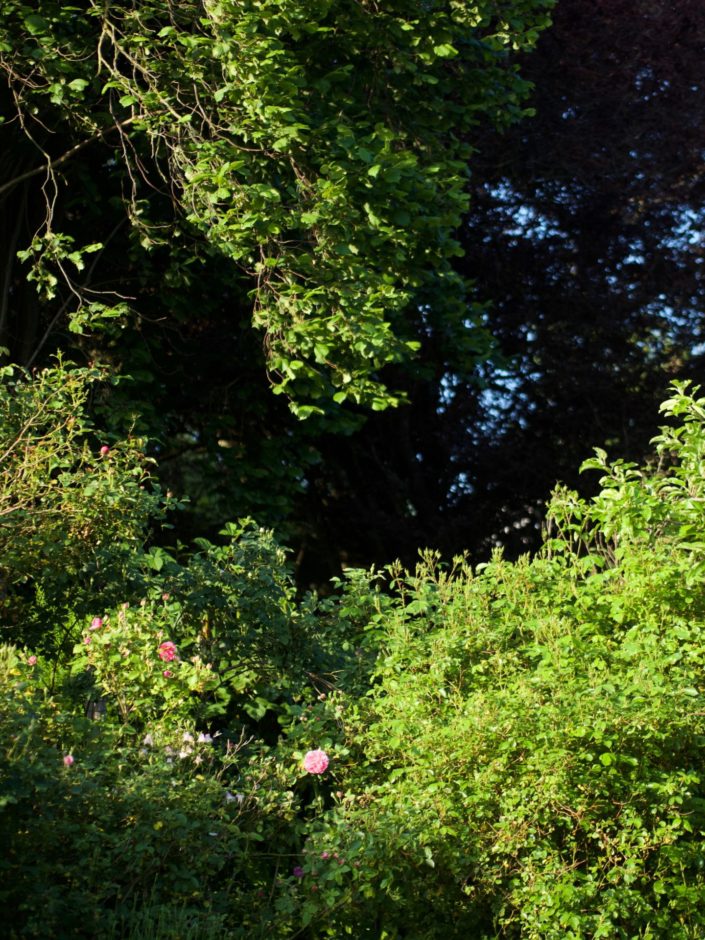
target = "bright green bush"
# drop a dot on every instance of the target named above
(514, 751)
(528, 761)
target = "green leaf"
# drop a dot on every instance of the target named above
(35, 24)
(445, 51)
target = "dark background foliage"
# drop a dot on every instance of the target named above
(584, 237)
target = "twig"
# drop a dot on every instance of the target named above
(51, 165)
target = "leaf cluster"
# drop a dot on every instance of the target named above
(318, 147)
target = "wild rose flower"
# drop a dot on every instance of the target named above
(31, 660)
(68, 760)
(316, 762)
(167, 651)
(96, 623)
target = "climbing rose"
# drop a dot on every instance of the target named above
(316, 762)
(167, 651)
(68, 760)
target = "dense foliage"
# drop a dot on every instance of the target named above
(584, 237)
(297, 141)
(207, 201)
(223, 199)
(513, 751)
(581, 239)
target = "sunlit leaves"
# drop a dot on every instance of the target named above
(316, 145)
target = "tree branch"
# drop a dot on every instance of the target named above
(51, 165)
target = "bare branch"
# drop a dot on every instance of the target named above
(51, 165)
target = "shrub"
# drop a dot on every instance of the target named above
(145, 767)
(528, 761)
(72, 516)
(190, 750)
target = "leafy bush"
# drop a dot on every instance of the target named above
(529, 758)
(513, 751)
(142, 770)
(74, 508)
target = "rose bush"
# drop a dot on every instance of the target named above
(189, 749)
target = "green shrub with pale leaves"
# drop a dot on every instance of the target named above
(529, 759)
(515, 750)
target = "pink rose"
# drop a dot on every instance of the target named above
(68, 760)
(167, 651)
(316, 762)
(96, 623)
(31, 660)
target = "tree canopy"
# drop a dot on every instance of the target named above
(318, 148)
(227, 200)
(583, 240)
